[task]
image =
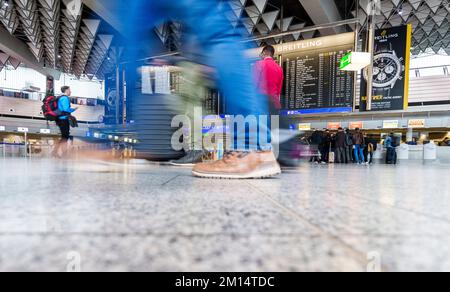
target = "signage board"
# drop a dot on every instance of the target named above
(416, 123)
(22, 130)
(304, 126)
(356, 125)
(391, 70)
(334, 126)
(45, 131)
(391, 124)
(354, 61)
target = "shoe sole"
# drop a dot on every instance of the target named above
(182, 164)
(266, 172)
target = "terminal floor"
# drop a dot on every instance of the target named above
(102, 216)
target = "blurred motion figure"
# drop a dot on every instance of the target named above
(218, 46)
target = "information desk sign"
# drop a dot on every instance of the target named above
(22, 130)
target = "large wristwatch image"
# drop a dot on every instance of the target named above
(388, 68)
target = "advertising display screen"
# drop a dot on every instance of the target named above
(390, 71)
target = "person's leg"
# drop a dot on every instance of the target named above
(224, 50)
(361, 153)
(356, 151)
(61, 145)
(342, 155)
(326, 153)
(65, 136)
(323, 155)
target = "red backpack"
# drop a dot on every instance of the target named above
(50, 108)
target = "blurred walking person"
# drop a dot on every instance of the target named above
(220, 46)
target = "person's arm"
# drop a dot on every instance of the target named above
(280, 86)
(65, 105)
(258, 74)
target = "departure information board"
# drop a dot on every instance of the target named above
(313, 81)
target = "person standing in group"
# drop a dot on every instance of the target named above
(325, 146)
(341, 147)
(369, 150)
(316, 141)
(391, 155)
(358, 142)
(348, 146)
(62, 122)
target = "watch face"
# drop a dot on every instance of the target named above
(111, 99)
(387, 68)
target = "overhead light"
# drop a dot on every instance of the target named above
(6, 3)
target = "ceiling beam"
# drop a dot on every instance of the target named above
(20, 51)
(323, 11)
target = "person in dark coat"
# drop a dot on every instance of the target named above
(325, 146)
(348, 146)
(315, 141)
(341, 147)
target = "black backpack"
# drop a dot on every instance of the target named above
(348, 139)
(396, 141)
(50, 108)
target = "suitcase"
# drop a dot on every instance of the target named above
(331, 157)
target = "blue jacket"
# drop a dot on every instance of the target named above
(64, 106)
(388, 142)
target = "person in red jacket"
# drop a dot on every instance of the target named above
(269, 78)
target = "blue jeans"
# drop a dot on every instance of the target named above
(212, 41)
(359, 154)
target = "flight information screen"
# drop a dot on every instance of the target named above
(313, 82)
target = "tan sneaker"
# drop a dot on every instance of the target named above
(240, 165)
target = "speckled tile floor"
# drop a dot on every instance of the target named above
(98, 216)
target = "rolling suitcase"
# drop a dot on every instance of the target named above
(331, 157)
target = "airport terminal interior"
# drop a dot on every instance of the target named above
(224, 136)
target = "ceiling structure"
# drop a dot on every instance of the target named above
(80, 37)
(63, 35)
(430, 20)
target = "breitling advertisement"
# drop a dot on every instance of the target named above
(390, 70)
(111, 99)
